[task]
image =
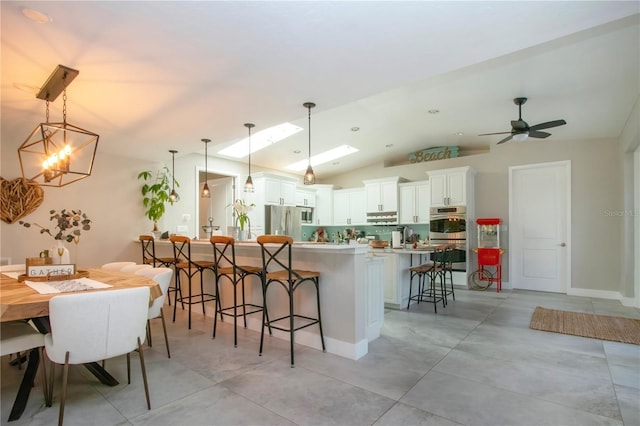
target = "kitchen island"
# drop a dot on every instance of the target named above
(351, 292)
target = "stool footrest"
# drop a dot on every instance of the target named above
(201, 298)
(256, 309)
(313, 321)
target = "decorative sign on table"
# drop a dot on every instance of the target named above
(42, 271)
(433, 154)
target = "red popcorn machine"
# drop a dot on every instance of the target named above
(489, 256)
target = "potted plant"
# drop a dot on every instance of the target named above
(241, 210)
(156, 193)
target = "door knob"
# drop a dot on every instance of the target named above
(563, 245)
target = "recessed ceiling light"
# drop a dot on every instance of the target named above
(323, 157)
(355, 128)
(335, 163)
(458, 133)
(35, 15)
(433, 111)
(389, 145)
(260, 140)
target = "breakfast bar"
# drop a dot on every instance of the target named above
(351, 292)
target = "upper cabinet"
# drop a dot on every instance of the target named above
(305, 197)
(277, 190)
(382, 194)
(348, 207)
(415, 200)
(323, 210)
(451, 187)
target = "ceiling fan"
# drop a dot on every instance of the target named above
(520, 130)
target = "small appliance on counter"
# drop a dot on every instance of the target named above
(396, 239)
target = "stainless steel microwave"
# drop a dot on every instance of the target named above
(306, 214)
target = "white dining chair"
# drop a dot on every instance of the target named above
(132, 269)
(94, 326)
(16, 337)
(163, 277)
(116, 266)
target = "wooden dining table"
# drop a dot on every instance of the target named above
(18, 301)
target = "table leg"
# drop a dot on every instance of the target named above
(25, 386)
(101, 374)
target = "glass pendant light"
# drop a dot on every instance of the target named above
(248, 185)
(309, 176)
(205, 189)
(173, 196)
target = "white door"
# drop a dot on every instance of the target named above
(539, 222)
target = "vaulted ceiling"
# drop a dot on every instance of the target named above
(156, 76)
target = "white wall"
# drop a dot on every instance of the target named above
(110, 197)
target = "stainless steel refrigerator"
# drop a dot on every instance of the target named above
(283, 220)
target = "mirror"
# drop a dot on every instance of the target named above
(222, 188)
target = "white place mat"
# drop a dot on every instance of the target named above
(80, 284)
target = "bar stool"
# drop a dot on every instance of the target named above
(189, 267)
(430, 271)
(149, 257)
(224, 255)
(276, 252)
(447, 268)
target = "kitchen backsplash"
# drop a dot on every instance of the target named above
(379, 232)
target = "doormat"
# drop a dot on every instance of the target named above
(617, 329)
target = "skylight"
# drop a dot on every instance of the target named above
(260, 140)
(324, 157)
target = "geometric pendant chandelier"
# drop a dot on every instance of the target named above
(57, 154)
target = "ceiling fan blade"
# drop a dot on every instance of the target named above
(519, 125)
(490, 134)
(505, 139)
(539, 135)
(548, 125)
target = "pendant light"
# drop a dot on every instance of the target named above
(174, 195)
(57, 154)
(248, 185)
(205, 189)
(309, 176)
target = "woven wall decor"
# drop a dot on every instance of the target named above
(19, 197)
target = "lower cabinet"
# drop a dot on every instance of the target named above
(396, 278)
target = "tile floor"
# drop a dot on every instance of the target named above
(474, 363)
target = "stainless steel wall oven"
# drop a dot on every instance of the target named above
(448, 225)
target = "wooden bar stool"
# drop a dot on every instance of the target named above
(149, 257)
(447, 268)
(276, 253)
(224, 255)
(188, 267)
(430, 271)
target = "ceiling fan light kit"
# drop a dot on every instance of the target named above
(520, 130)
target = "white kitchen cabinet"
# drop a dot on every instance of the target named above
(451, 187)
(275, 190)
(305, 198)
(396, 278)
(323, 211)
(415, 200)
(382, 194)
(348, 207)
